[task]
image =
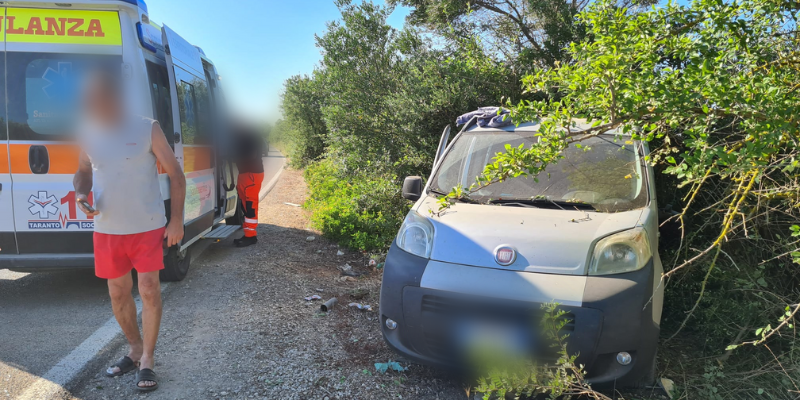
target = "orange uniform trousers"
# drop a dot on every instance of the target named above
(248, 187)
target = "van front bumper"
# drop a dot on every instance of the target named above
(616, 315)
(45, 261)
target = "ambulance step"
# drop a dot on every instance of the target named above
(222, 232)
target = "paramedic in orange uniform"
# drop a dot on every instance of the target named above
(249, 150)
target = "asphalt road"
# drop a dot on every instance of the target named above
(52, 319)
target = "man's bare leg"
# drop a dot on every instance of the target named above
(150, 291)
(125, 312)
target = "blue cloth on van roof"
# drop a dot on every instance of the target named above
(488, 117)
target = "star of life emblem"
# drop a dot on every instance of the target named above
(59, 83)
(43, 205)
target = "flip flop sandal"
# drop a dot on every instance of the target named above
(125, 365)
(143, 375)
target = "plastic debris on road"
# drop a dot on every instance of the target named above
(346, 267)
(669, 387)
(393, 365)
(328, 305)
(373, 263)
(363, 307)
(339, 253)
(310, 238)
(312, 298)
(358, 294)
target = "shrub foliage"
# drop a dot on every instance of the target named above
(374, 111)
(712, 85)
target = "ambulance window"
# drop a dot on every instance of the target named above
(204, 114)
(162, 102)
(43, 90)
(188, 108)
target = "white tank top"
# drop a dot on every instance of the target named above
(126, 189)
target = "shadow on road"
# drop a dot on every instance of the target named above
(43, 316)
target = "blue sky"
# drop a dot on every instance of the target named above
(255, 44)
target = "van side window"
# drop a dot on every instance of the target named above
(187, 103)
(162, 102)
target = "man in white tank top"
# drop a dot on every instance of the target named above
(118, 163)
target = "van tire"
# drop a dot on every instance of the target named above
(649, 378)
(238, 217)
(176, 265)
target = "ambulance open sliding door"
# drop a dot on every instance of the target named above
(44, 60)
(8, 241)
(193, 141)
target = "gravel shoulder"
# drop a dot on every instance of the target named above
(239, 328)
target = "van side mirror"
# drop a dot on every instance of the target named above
(412, 188)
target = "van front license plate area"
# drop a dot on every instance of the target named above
(502, 339)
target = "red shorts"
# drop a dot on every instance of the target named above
(117, 255)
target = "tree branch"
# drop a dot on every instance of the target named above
(523, 27)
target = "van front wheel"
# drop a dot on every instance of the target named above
(176, 265)
(648, 379)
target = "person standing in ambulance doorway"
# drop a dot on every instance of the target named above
(249, 147)
(118, 162)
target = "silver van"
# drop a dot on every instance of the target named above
(583, 235)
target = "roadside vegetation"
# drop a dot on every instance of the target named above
(712, 85)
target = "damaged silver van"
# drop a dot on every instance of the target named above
(583, 235)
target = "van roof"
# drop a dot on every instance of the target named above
(49, 3)
(140, 3)
(534, 126)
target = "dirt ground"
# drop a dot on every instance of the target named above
(239, 328)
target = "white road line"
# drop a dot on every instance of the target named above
(51, 384)
(271, 184)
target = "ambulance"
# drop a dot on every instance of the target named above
(164, 77)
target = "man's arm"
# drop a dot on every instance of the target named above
(83, 183)
(177, 185)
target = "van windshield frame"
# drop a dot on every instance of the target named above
(607, 174)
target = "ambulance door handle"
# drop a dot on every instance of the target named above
(38, 159)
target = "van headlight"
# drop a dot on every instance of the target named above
(621, 252)
(416, 235)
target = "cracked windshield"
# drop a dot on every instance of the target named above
(606, 173)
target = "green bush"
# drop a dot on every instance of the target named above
(303, 129)
(361, 212)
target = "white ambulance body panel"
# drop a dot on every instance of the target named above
(45, 44)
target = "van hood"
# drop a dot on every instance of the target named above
(546, 240)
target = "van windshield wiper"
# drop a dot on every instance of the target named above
(543, 203)
(464, 199)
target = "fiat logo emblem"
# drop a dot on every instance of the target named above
(505, 255)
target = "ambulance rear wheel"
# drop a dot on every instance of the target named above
(176, 265)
